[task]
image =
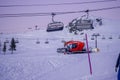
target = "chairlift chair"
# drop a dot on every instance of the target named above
(92, 38)
(110, 37)
(17, 41)
(54, 26)
(84, 24)
(81, 24)
(103, 37)
(6, 41)
(37, 42)
(46, 42)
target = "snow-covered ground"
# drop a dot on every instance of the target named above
(34, 61)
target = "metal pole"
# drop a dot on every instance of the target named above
(90, 66)
(95, 41)
(96, 35)
(0, 46)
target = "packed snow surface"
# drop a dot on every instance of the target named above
(41, 61)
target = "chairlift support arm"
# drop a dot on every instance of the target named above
(87, 12)
(53, 14)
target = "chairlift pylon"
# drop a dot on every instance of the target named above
(54, 26)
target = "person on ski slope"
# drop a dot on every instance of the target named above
(118, 66)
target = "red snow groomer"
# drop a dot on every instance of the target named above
(72, 47)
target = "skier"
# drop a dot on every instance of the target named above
(118, 66)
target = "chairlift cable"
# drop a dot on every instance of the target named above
(90, 10)
(57, 4)
(56, 13)
(22, 15)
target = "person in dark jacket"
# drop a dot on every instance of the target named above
(118, 66)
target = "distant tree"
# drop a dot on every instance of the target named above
(4, 48)
(13, 45)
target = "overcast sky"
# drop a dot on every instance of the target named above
(21, 24)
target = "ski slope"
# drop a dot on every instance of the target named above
(34, 61)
